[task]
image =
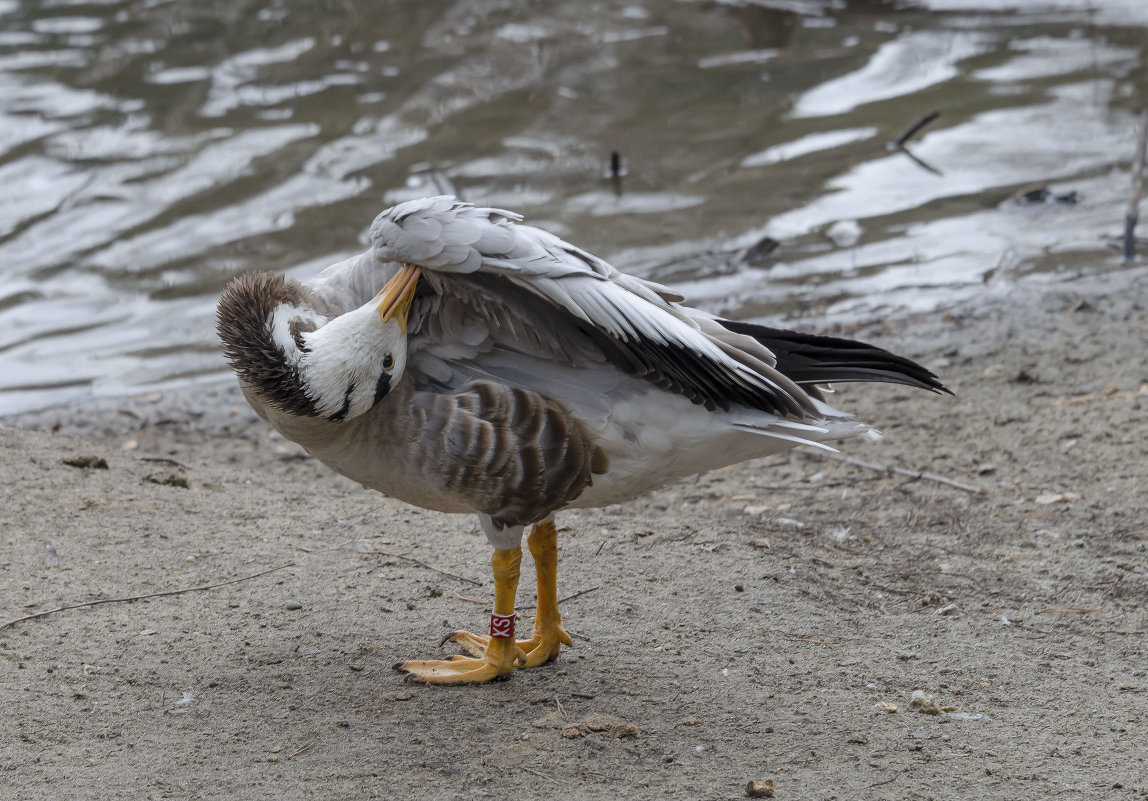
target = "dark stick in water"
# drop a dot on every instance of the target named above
(918, 125)
(899, 143)
(1133, 213)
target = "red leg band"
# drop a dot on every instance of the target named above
(502, 626)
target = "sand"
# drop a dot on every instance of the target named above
(771, 621)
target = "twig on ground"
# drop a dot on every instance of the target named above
(470, 600)
(298, 751)
(1133, 213)
(562, 600)
(546, 776)
(901, 471)
(1071, 610)
(142, 597)
(576, 595)
(910, 593)
(429, 567)
(809, 640)
(887, 781)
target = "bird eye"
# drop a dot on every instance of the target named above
(388, 362)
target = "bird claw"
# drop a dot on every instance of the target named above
(494, 661)
(542, 648)
(476, 645)
(457, 670)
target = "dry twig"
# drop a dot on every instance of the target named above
(901, 471)
(470, 600)
(560, 600)
(809, 640)
(299, 751)
(142, 597)
(540, 774)
(412, 560)
(575, 595)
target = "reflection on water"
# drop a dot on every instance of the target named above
(151, 150)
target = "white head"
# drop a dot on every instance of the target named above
(298, 361)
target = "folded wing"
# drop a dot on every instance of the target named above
(524, 287)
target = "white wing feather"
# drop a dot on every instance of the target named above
(449, 237)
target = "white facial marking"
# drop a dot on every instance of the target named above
(344, 361)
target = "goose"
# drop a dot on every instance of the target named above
(469, 363)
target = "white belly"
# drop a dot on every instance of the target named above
(653, 439)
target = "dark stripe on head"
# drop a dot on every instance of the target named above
(341, 415)
(382, 387)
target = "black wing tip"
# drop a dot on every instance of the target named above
(818, 359)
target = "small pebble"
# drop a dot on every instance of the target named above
(89, 461)
(170, 478)
(292, 605)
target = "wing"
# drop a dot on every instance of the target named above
(813, 359)
(521, 288)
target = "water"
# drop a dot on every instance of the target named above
(151, 150)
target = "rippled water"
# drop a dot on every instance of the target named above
(151, 150)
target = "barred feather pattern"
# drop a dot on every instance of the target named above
(514, 454)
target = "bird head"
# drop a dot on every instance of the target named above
(299, 361)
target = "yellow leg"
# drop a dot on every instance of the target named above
(499, 655)
(548, 636)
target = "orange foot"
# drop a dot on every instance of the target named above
(493, 662)
(542, 647)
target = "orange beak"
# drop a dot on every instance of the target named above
(397, 295)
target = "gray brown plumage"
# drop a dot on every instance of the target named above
(517, 454)
(503, 372)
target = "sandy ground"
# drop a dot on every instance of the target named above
(769, 621)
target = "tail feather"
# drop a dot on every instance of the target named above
(813, 359)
